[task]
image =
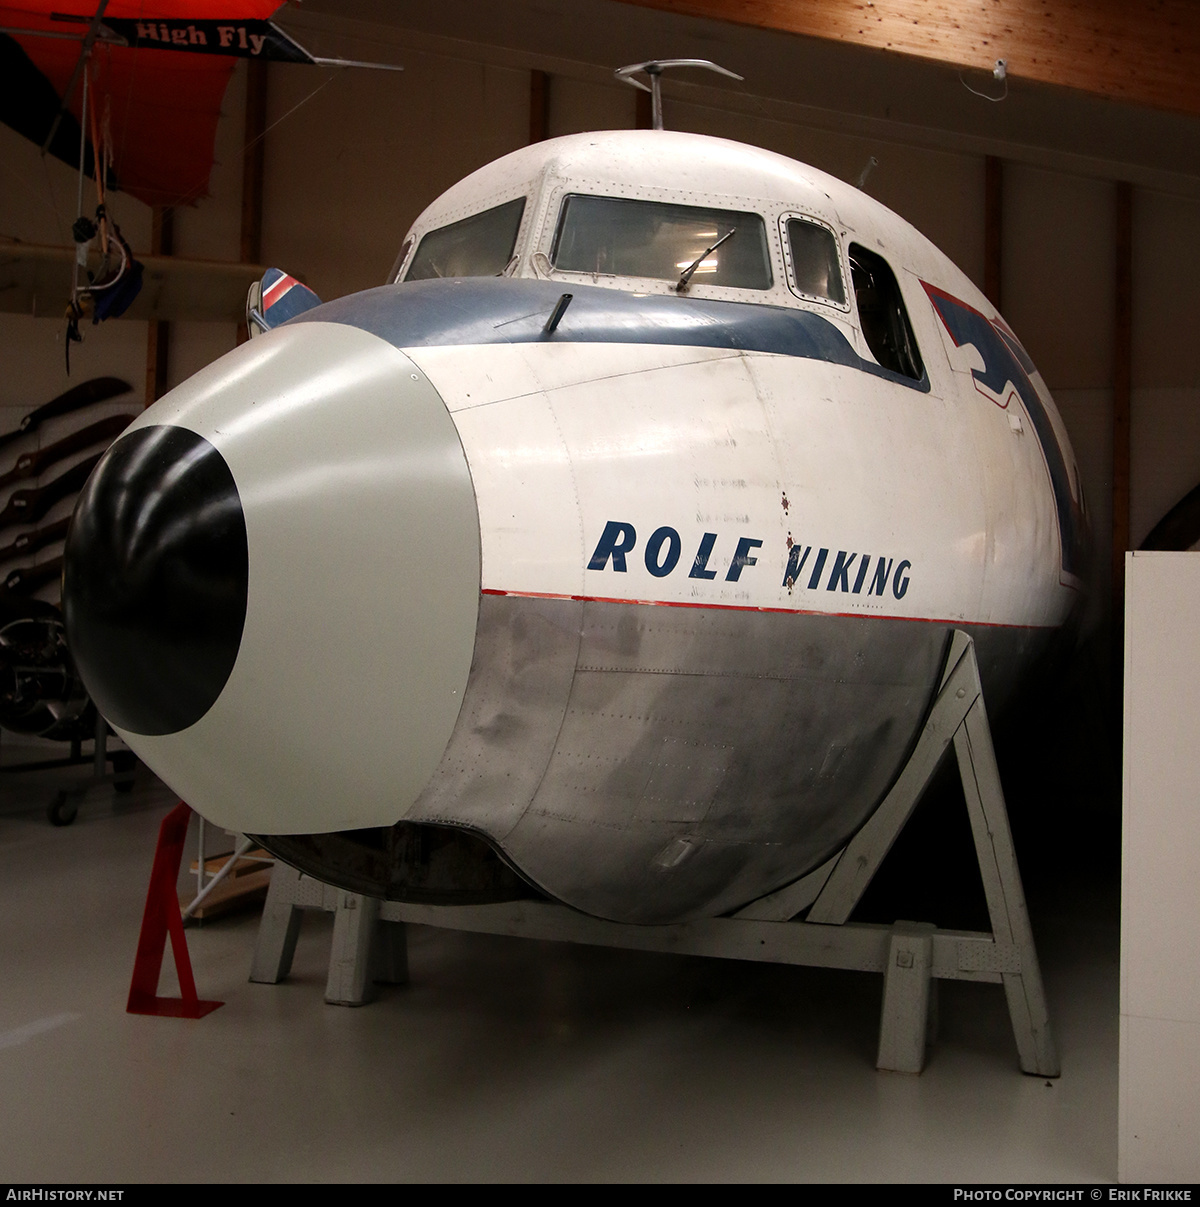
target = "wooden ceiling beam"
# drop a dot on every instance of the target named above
(1145, 52)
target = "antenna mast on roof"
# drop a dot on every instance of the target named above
(654, 69)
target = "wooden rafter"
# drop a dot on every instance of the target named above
(1146, 52)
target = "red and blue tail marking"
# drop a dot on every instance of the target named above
(283, 297)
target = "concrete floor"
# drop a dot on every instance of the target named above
(506, 1059)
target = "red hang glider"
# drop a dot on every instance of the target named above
(154, 109)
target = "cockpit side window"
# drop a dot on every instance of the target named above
(617, 236)
(815, 264)
(881, 312)
(478, 246)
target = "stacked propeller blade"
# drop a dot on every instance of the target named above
(55, 447)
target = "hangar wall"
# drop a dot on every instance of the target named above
(353, 156)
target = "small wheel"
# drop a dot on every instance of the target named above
(123, 763)
(63, 810)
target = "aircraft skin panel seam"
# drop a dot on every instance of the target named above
(724, 607)
(623, 732)
(578, 516)
(457, 405)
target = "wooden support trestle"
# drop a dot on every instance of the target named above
(369, 935)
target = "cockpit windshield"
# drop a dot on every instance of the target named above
(616, 236)
(478, 246)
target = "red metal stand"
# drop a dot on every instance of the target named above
(162, 916)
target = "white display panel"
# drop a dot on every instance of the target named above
(1159, 1120)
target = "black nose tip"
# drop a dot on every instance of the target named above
(154, 580)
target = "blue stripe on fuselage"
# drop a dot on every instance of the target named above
(1005, 362)
(497, 310)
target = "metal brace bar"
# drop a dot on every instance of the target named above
(227, 867)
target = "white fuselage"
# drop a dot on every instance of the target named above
(679, 606)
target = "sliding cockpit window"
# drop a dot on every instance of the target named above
(882, 317)
(620, 237)
(479, 246)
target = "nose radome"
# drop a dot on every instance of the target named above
(272, 583)
(155, 576)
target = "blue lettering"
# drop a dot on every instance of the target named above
(899, 587)
(616, 541)
(742, 558)
(841, 570)
(664, 547)
(670, 538)
(862, 572)
(882, 574)
(700, 562)
(796, 561)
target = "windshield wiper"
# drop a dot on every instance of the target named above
(686, 275)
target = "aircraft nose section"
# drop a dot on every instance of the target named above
(155, 577)
(272, 583)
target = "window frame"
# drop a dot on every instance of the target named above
(406, 250)
(909, 328)
(785, 246)
(416, 236)
(553, 211)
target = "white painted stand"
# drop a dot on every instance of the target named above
(369, 934)
(1158, 1118)
(366, 951)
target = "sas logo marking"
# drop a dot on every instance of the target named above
(663, 549)
(843, 571)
